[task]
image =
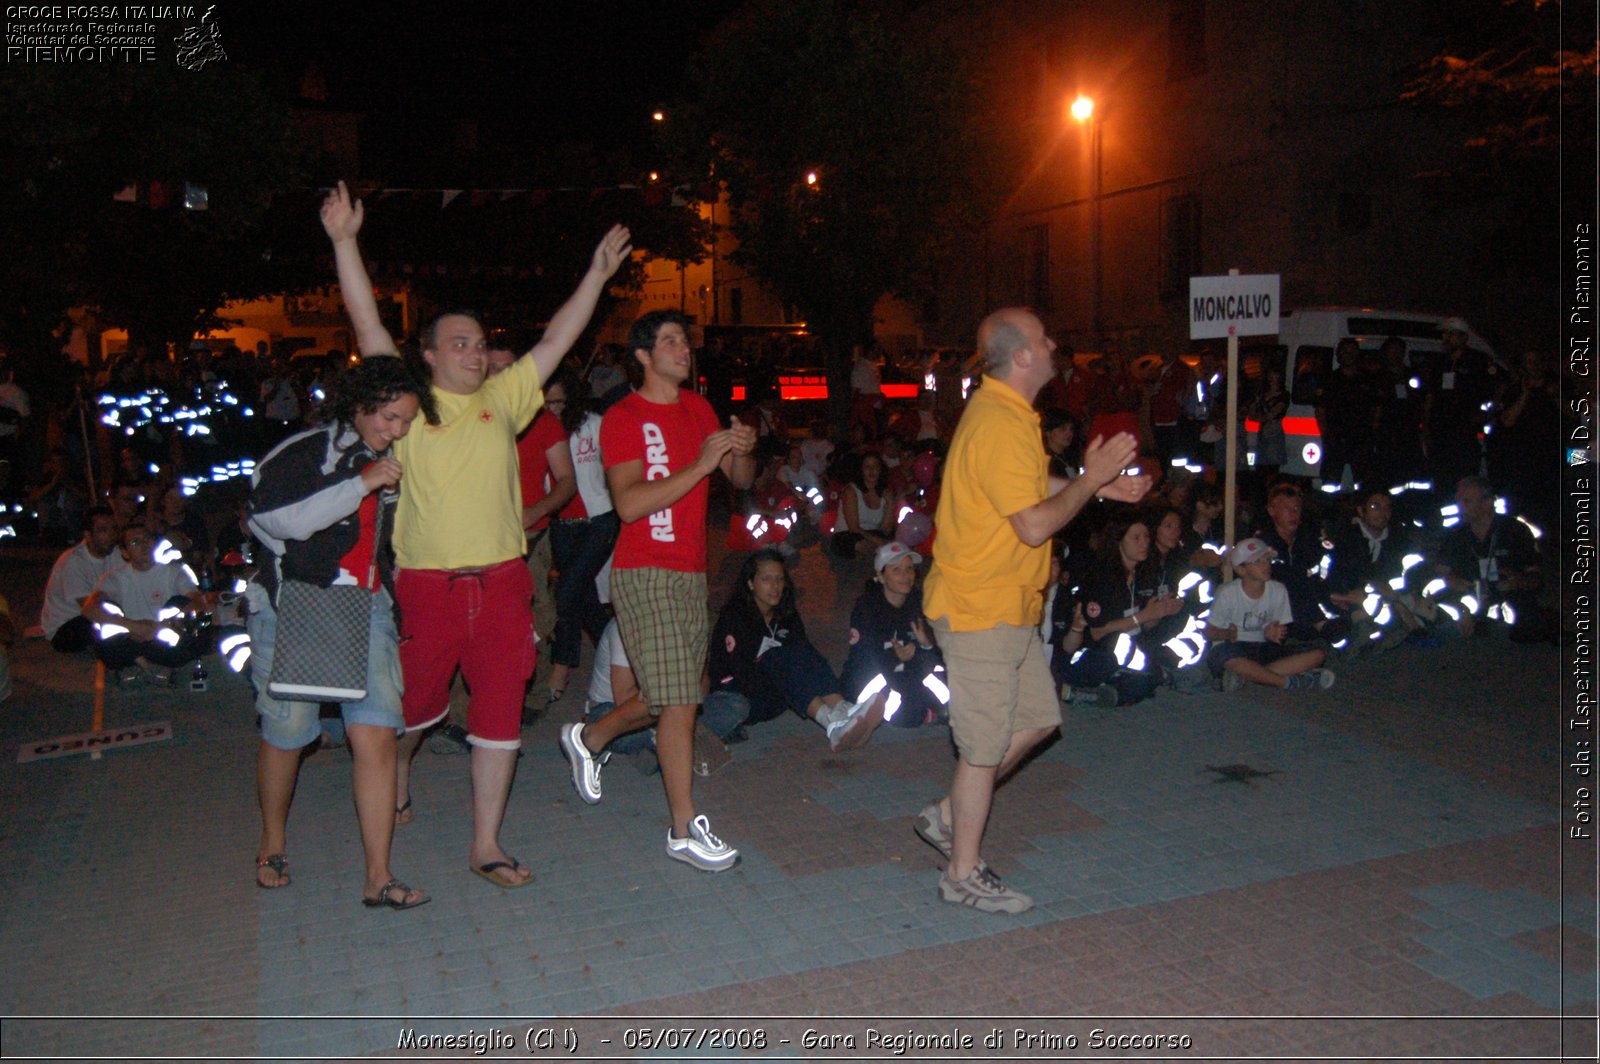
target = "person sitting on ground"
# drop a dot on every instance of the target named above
(1297, 556)
(171, 518)
(1490, 566)
(774, 508)
(1060, 443)
(58, 498)
(759, 650)
(891, 647)
(128, 602)
(1120, 609)
(1064, 631)
(73, 578)
(323, 504)
(1367, 555)
(1248, 625)
(1202, 532)
(866, 511)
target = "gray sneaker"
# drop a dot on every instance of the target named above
(585, 766)
(1312, 680)
(702, 849)
(932, 828)
(982, 890)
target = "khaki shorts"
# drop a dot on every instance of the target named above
(663, 617)
(999, 685)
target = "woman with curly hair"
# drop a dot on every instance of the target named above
(322, 503)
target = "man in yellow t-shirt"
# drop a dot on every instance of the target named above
(998, 508)
(464, 593)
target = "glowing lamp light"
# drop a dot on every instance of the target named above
(1082, 109)
(811, 177)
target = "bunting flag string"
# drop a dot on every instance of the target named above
(159, 194)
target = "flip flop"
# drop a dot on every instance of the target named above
(403, 814)
(386, 900)
(488, 871)
(279, 863)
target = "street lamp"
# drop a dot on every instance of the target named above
(1083, 111)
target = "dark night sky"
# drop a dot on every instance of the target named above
(554, 71)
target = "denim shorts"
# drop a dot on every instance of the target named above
(292, 725)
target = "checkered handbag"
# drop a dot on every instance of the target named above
(320, 654)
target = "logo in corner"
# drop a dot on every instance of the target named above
(202, 44)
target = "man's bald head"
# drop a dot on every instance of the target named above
(1002, 334)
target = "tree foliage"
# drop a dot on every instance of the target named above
(1510, 68)
(874, 103)
(72, 137)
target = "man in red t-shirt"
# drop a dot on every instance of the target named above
(660, 444)
(548, 483)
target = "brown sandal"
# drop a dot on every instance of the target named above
(279, 863)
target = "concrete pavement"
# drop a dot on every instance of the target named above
(1382, 882)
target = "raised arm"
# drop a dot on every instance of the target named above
(341, 220)
(568, 323)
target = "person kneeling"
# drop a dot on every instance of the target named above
(1249, 621)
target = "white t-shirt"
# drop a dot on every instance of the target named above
(1233, 607)
(864, 379)
(141, 595)
(589, 468)
(870, 518)
(608, 652)
(814, 452)
(75, 574)
(801, 478)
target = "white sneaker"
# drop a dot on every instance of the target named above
(701, 848)
(855, 723)
(585, 767)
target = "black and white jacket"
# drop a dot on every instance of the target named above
(304, 506)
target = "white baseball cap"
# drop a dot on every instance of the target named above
(893, 551)
(1250, 550)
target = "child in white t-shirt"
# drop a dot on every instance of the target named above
(1249, 620)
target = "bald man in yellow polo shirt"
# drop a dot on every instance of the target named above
(998, 509)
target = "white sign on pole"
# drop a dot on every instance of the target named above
(1235, 305)
(93, 742)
